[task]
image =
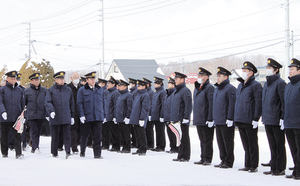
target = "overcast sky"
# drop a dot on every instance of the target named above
(68, 33)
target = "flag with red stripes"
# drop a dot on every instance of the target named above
(176, 129)
(19, 124)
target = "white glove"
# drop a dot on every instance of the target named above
(82, 119)
(115, 121)
(141, 123)
(104, 121)
(24, 120)
(72, 121)
(52, 115)
(47, 118)
(149, 118)
(210, 124)
(126, 120)
(4, 115)
(185, 121)
(281, 124)
(229, 123)
(161, 120)
(255, 124)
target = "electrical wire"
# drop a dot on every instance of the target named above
(127, 5)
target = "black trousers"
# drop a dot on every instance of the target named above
(276, 140)
(66, 132)
(115, 135)
(225, 139)
(61, 139)
(293, 137)
(94, 127)
(75, 136)
(185, 145)
(36, 126)
(160, 135)
(250, 144)
(11, 139)
(206, 136)
(133, 140)
(5, 128)
(125, 133)
(106, 135)
(150, 134)
(141, 138)
(172, 140)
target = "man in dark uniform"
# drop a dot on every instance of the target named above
(248, 107)
(36, 112)
(82, 81)
(110, 104)
(167, 114)
(91, 108)
(123, 111)
(60, 105)
(292, 117)
(203, 115)
(157, 114)
(139, 116)
(223, 113)
(133, 90)
(11, 106)
(75, 129)
(149, 127)
(181, 108)
(272, 117)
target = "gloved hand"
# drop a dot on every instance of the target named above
(149, 118)
(161, 120)
(72, 121)
(141, 123)
(126, 120)
(255, 124)
(104, 121)
(24, 120)
(115, 121)
(210, 124)
(229, 123)
(185, 121)
(47, 118)
(82, 119)
(52, 115)
(4, 115)
(281, 124)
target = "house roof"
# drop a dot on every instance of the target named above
(139, 68)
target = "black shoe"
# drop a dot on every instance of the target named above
(176, 159)
(268, 172)
(199, 162)
(224, 166)
(278, 173)
(135, 153)
(32, 151)
(184, 160)
(142, 154)
(206, 163)
(133, 146)
(4, 156)
(219, 165)
(82, 154)
(114, 150)
(291, 168)
(90, 146)
(125, 151)
(68, 155)
(54, 156)
(104, 148)
(252, 170)
(60, 149)
(289, 176)
(20, 156)
(296, 177)
(266, 164)
(244, 169)
(98, 157)
(158, 150)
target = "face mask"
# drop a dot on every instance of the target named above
(200, 81)
(244, 75)
(18, 82)
(269, 72)
(129, 86)
(76, 81)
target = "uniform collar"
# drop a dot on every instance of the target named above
(123, 91)
(294, 79)
(142, 91)
(10, 85)
(170, 91)
(133, 88)
(34, 87)
(197, 85)
(248, 82)
(148, 89)
(178, 87)
(271, 79)
(223, 84)
(87, 86)
(159, 88)
(112, 89)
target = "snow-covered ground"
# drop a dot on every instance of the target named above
(156, 168)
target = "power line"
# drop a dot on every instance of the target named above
(128, 5)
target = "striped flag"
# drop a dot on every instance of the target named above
(176, 129)
(19, 125)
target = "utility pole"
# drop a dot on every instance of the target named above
(102, 61)
(292, 44)
(287, 40)
(29, 40)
